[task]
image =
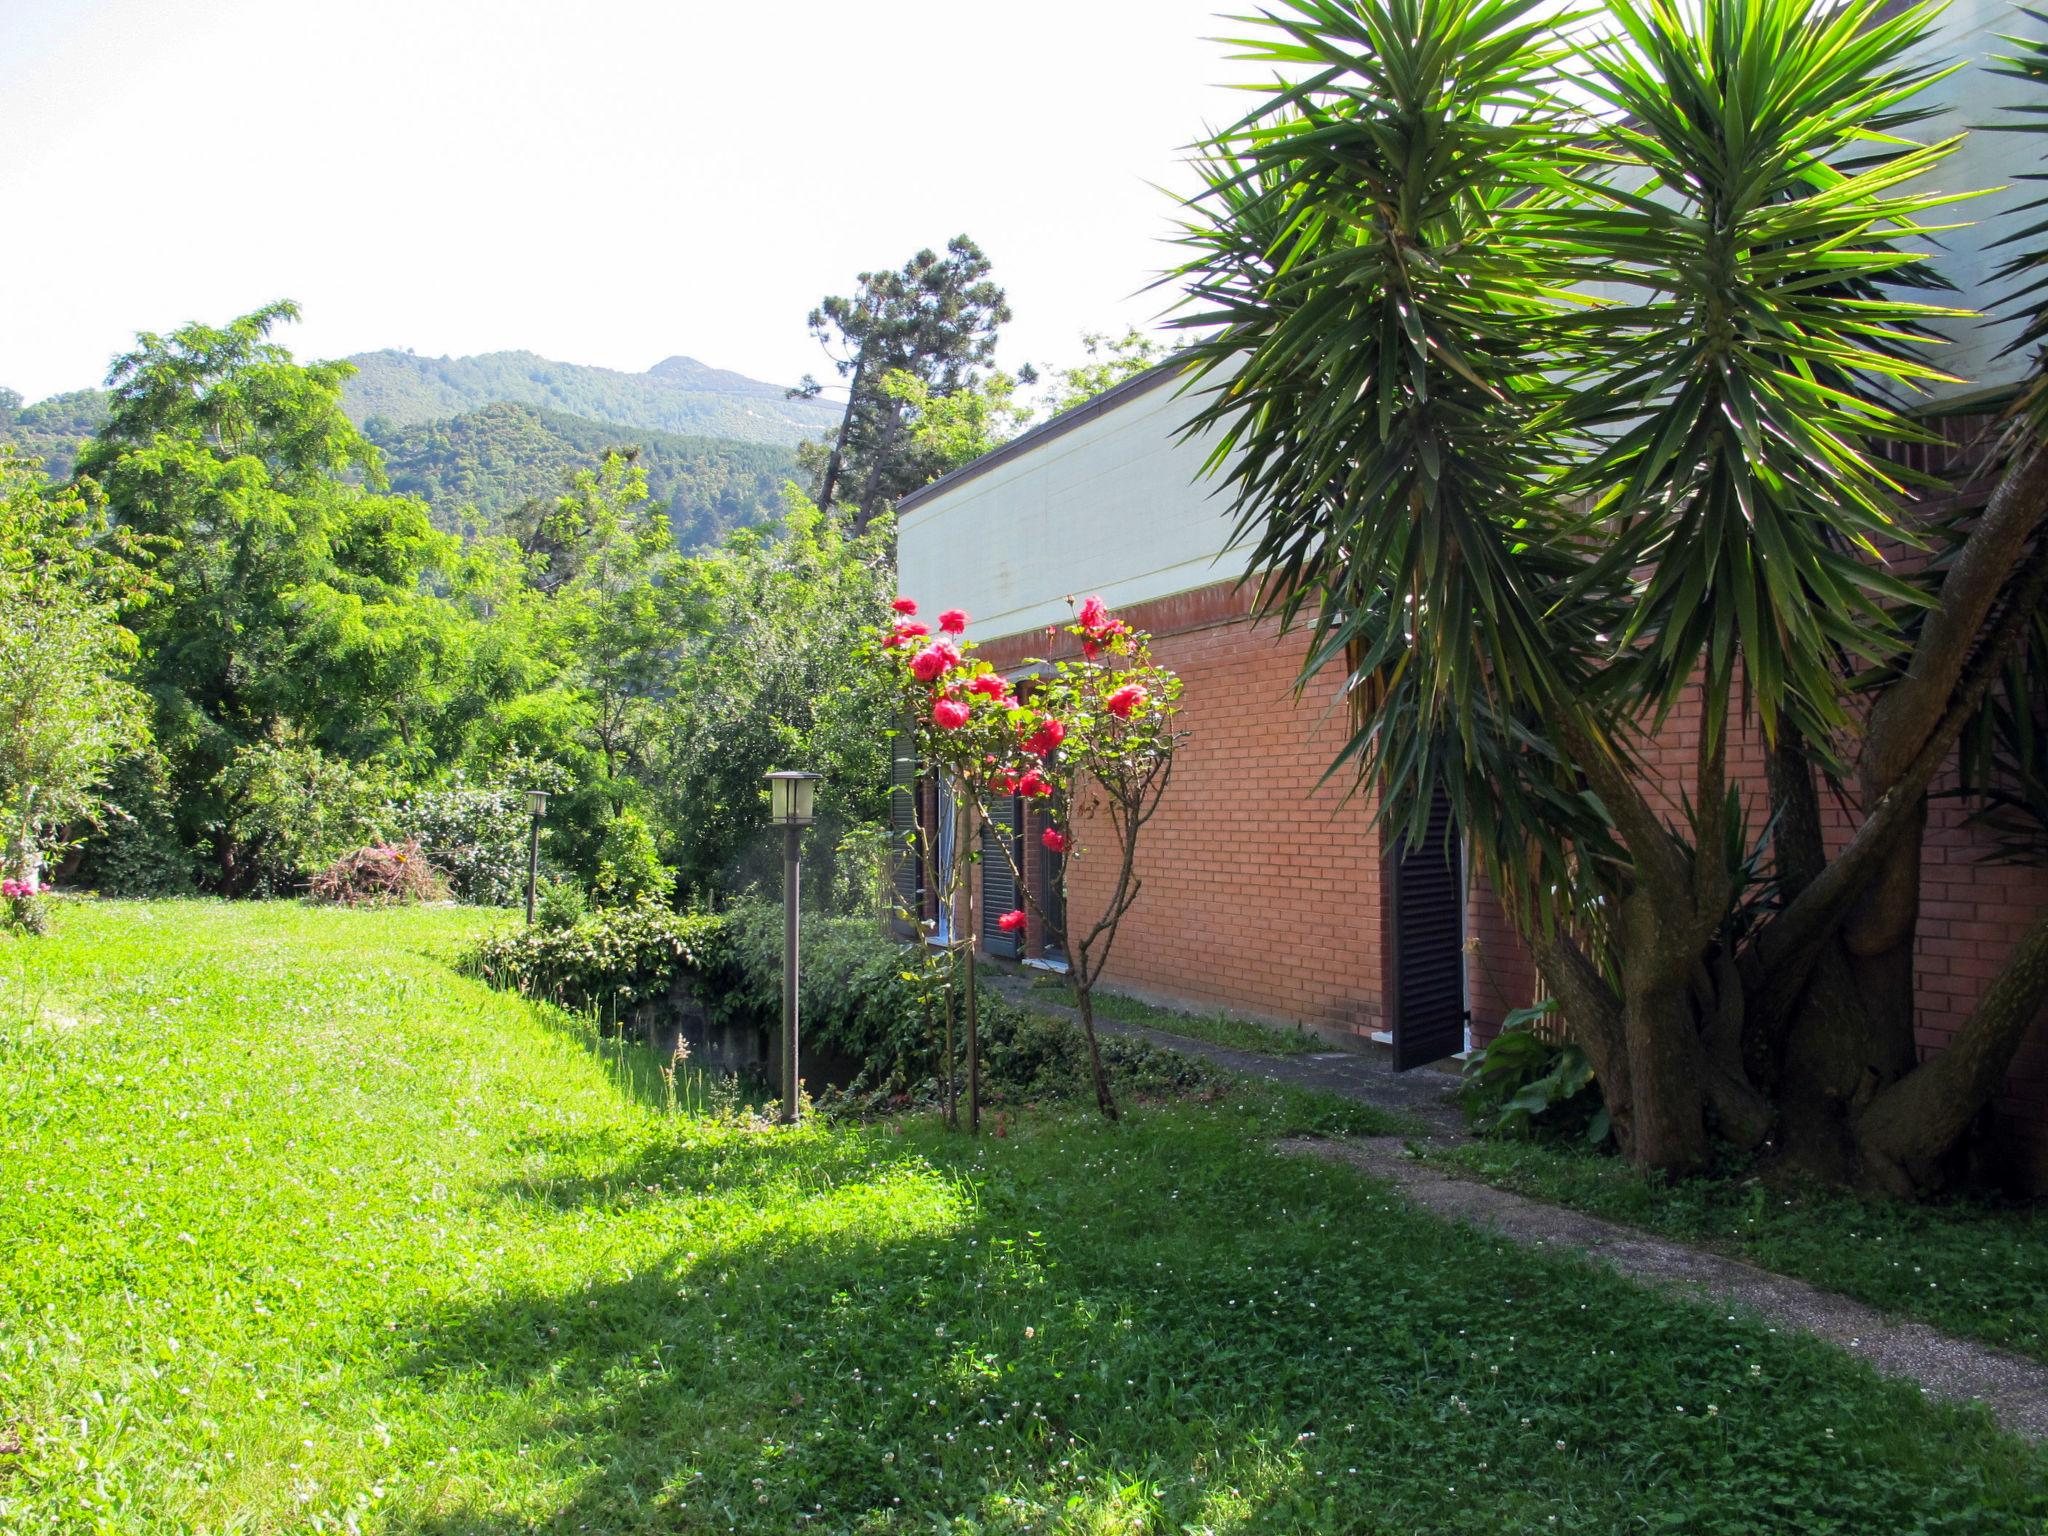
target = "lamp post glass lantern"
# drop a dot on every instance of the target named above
(791, 801)
(536, 807)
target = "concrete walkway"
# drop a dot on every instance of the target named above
(2014, 1388)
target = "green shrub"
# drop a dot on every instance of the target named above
(475, 834)
(560, 903)
(629, 867)
(1525, 1085)
(134, 848)
(609, 960)
(859, 990)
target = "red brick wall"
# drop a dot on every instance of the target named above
(1262, 891)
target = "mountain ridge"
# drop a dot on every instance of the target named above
(679, 394)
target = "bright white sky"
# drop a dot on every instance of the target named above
(599, 181)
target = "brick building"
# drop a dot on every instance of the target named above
(1268, 893)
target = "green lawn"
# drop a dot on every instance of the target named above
(301, 1230)
(1217, 1028)
(1969, 1268)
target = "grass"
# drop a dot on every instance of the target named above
(302, 1230)
(1217, 1028)
(1969, 1268)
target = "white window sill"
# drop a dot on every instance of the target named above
(1038, 964)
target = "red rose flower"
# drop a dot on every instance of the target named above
(1093, 614)
(953, 621)
(1034, 783)
(1090, 650)
(1126, 699)
(1006, 781)
(928, 663)
(1055, 840)
(904, 605)
(949, 714)
(905, 632)
(1046, 738)
(990, 683)
(1010, 922)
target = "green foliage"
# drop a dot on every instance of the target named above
(1109, 361)
(292, 809)
(135, 849)
(769, 678)
(606, 961)
(67, 709)
(678, 395)
(545, 1266)
(475, 834)
(559, 903)
(629, 869)
(945, 431)
(1522, 1083)
(482, 468)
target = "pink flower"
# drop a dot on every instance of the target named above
(928, 663)
(1010, 922)
(1005, 782)
(1034, 783)
(1126, 699)
(949, 714)
(1046, 738)
(905, 605)
(1055, 840)
(1093, 614)
(990, 683)
(904, 633)
(953, 621)
(1090, 650)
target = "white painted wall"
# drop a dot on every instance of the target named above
(1114, 506)
(1972, 99)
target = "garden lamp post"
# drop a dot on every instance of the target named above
(537, 807)
(790, 800)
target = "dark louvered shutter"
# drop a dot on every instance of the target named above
(1429, 943)
(998, 878)
(905, 868)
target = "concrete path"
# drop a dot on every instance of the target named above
(1422, 1096)
(2014, 1388)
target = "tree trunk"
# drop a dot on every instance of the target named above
(1084, 1004)
(837, 459)
(1903, 1135)
(1667, 1128)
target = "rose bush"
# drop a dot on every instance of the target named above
(1093, 739)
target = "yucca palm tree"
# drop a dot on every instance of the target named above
(1558, 365)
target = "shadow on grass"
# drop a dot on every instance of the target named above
(1151, 1327)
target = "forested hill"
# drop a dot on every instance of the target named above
(494, 458)
(678, 395)
(52, 429)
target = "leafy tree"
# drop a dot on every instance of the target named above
(769, 679)
(67, 711)
(1110, 360)
(615, 575)
(1548, 422)
(936, 320)
(299, 595)
(945, 431)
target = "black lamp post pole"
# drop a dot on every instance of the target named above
(532, 866)
(792, 835)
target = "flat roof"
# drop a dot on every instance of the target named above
(1072, 417)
